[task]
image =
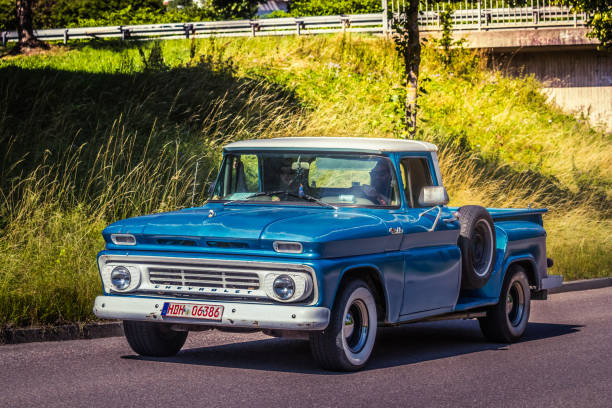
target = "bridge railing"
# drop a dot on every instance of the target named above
(492, 14)
(467, 15)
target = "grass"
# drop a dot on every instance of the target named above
(101, 131)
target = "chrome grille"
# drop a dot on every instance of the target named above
(204, 277)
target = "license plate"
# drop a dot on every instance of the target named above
(193, 311)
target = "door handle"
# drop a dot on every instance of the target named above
(397, 230)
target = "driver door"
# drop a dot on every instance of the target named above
(432, 259)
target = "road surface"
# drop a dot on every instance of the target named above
(565, 359)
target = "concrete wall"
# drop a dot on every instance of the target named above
(575, 75)
(578, 80)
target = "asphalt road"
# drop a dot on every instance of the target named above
(565, 359)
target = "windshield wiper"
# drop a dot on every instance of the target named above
(316, 200)
(288, 193)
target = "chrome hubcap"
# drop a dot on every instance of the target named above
(356, 326)
(349, 325)
(515, 304)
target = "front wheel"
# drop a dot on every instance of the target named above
(153, 339)
(506, 322)
(348, 341)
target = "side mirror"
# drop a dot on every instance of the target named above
(433, 195)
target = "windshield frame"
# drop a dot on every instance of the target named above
(305, 203)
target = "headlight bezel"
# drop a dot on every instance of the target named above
(303, 286)
(135, 278)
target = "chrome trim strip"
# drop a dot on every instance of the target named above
(234, 314)
(275, 245)
(115, 236)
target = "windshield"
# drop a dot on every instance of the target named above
(323, 178)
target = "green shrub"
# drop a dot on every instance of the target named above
(330, 7)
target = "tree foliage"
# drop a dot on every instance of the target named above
(330, 7)
(600, 19)
(79, 13)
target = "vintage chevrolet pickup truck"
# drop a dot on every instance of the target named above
(326, 239)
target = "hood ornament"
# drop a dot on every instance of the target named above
(211, 213)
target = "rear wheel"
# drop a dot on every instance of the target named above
(506, 322)
(153, 339)
(347, 343)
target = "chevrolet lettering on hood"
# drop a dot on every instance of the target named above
(326, 239)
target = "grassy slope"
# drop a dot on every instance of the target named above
(113, 134)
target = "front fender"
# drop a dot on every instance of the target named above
(387, 268)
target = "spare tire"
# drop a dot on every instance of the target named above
(477, 244)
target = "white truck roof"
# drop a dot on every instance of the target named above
(359, 144)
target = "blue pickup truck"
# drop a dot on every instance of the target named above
(325, 239)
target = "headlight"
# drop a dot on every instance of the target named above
(288, 287)
(284, 287)
(121, 277)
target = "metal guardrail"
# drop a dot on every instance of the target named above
(472, 15)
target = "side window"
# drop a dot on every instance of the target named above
(415, 176)
(239, 177)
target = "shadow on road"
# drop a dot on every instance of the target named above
(394, 347)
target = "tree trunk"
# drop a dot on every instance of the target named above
(412, 60)
(24, 20)
(25, 28)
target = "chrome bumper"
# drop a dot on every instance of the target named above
(552, 281)
(247, 315)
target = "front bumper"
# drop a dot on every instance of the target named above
(248, 315)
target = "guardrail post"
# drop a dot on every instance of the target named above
(299, 24)
(479, 16)
(188, 28)
(254, 27)
(346, 22)
(488, 18)
(66, 36)
(125, 33)
(536, 16)
(575, 20)
(4, 38)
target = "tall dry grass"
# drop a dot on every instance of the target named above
(578, 234)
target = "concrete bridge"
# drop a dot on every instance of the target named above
(575, 74)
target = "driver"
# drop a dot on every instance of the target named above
(286, 176)
(379, 190)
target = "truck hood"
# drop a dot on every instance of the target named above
(237, 228)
